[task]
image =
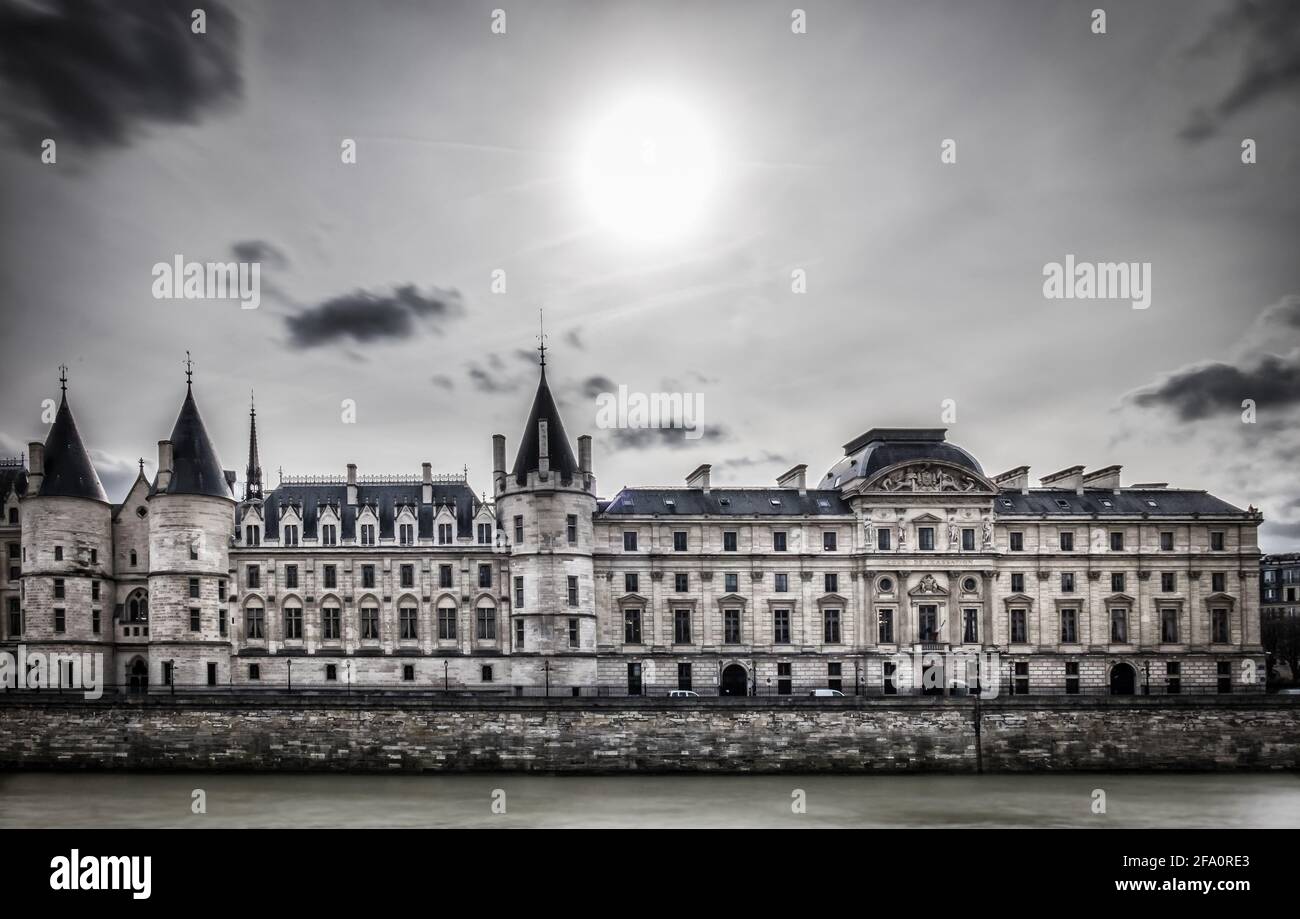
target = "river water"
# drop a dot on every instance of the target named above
(1037, 800)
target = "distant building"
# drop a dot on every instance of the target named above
(905, 547)
(1279, 584)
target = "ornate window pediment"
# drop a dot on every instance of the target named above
(835, 601)
(928, 587)
(1018, 600)
(1118, 600)
(1220, 599)
(731, 600)
(929, 477)
(633, 600)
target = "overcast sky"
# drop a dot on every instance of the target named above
(924, 279)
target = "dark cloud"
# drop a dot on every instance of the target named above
(116, 474)
(259, 250)
(673, 438)
(573, 338)
(744, 462)
(523, 354)
(593, 386)
(96, 71)
(367, 317)
(1202, 390)
(1267, 33)
(443, 381)
(486, 381)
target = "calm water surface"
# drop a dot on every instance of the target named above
(153, 800)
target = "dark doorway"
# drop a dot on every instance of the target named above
(138, 677)
(735, 682)
(1123, 679)
(634, 679)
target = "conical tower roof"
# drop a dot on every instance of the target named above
(559, 453)
(69, 473)
(196, 467)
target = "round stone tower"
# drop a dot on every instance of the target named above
(191, 519)
(67, 554)
(545, 506)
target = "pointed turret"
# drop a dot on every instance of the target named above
(253, 474)
(544, 446)
(194, 464)
(66, 469)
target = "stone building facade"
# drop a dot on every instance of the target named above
(906, 567)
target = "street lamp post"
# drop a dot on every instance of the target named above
(289, 662)
(1146, 690)
(445, 684)
(547, 669)
(171, 674)
(349, 678)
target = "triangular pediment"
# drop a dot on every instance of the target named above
(1118, 598)
(732, 600)
(633, 600)
(928, 477)
(1018, 600)
(1220, 598)
(928, 587)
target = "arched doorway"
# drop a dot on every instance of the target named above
(735, 681)
(1123, 680)
(137, 676)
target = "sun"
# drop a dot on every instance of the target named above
(648, 169)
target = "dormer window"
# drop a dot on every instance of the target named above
(1106, 502)
(670, 503)
(329, 534)
(406, 534)
(1151, 503)
(1006, 502)
(724, 502)
(367, 534)
(776, 502)
(1063, 504)
(252, 535)
(444, 534)
(823, 503)
(290, 537)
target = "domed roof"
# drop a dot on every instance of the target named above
(881, 448)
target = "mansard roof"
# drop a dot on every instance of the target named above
(1104, 502)
(13, 478)
(196, 467)
(560, 454)
(69, 473)
(387, 499)
(731, 502)
(881, 448)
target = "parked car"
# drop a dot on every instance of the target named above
(826, 693)
(683, 694)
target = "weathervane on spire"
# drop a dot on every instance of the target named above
(541, 335)
(252, 405)
(63, 378)
(189, 370)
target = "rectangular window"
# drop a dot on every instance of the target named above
(367, 575)
(729, 541)
(1119, 625)
(1218, 583)
(970, 626)
(1219, 630)
(254, 671)
(212, 673)
(634, 679)
(831, 626)
(571, 529)
(829, 541)
(408, 672)
(781, 583)
(60, 621)
(968, 540)
(1017, 541)
(221, 590)
(629, 541)
(485, 673)
(928, 623)
(485, 534)
(830, 582)
(292, 622)
(882, 539)
(1067, 582)
(254, 624)
(1225, 676)
(1117, 582)
(679, 541)
(1071, 678)
(1168, 582)
(730, 583)
(681, 582)
(784, 683)
(194, 587)
(573, 633)
(835, 676)
(1117, 541)
(1067, 541)
(684, 676)
(1017, 582)
(331, 577)
(925, 538)
(58, 589)
(408, 619)
(519, 634)
(58, 553)
(444, 576)
(445, 534)
(94, 590)
(781, 626)
(330, 535)
(168, 673)
(630, 582)
(331, 623)
(573, 590)
(1019, 627)
(681, 627)
(221, 623)
(369, 623)
(1216, 540)
(519, 592)
(1173, 678)
(1169, 625)
(406, 534)
(367, 534)
(886, 626)
(1166, 541)
(519, 530)
(632, 626)
(407, 576)
(331, 672)
(196, 619)
(484, 576)
(1021, 687)
(1069, 627)
(95, 621)
(487, 623)
(446, 623)
(731, 626)
(778, 541)
(15, 617)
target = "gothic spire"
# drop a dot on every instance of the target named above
(253, 474)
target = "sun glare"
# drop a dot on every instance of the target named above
(648, 169)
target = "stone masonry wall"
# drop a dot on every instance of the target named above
(593, 736)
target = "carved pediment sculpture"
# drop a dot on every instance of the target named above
(927, 477)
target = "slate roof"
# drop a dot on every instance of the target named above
(12, 478)
(880, 448)
(309, 498)
(69, 473)
(1104, 502)
(196, 467)
(735, 502)
(560, 452)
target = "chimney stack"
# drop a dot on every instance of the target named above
(426, 488)
(1104, 478)
(164, 464)
(795, 478)
(699, 478)
(543, 448)
(352, 484)
(584, 454)
(36, 464)
(499, 462)
(1070, 478)
(1017, 478)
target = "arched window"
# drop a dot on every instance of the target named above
(137, 607)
